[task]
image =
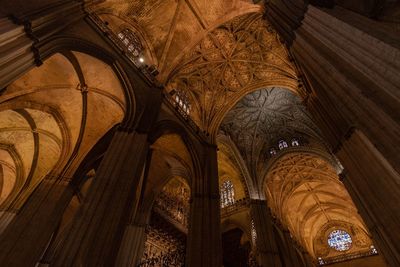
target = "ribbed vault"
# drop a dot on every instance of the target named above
(304, 192)
(236, 58)
(51, 117)
(260, 119)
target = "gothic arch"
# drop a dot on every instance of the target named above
(304, 192)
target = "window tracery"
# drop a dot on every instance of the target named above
(282, 144)
(132, 43)
(340, 240)
(227, 194)
(182, 100)
(295, 142)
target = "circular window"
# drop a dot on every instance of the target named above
(339, 240)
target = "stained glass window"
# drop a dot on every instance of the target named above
(339, 240)
(295, 142)
(282, 144)
(272, 151)
(183, 101)
(132, 42)
(227, 194)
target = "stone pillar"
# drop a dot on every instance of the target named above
(31, 25)
(204, 247)
(375, 188)
(134, 239)
(5, 218)
(97, 230)
(267, 248)
(26, 237)
(351, 68)
(308, 259)
(291, 249)
(16, 56)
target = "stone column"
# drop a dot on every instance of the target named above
(134, 239)
(204, 247)
(375, 188)
(26, 237)
(16, 56)
(291, 249)
(308, 259)
(267, 248)
(351, 68)
(31, 25)
(6, 217)
(97, 230)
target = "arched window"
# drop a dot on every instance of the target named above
(339, 240)
(227, 194)
(272, 151)
(132, 43)
(282, 144)
(183, 101)
(295, 142)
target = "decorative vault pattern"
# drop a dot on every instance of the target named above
(304, 191)
(239, 56)
(261, 118)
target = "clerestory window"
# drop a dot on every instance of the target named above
(227, 194)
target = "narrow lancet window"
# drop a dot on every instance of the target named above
(227, 194)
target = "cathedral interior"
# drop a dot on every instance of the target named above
(200, 133)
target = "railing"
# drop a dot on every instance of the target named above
(371, 252)
(237, 206)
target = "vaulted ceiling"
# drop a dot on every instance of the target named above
(304, 192)
(69, 102)
(261, 119)
(214, 51)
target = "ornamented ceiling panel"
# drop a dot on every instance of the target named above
(238, 57)
(174, 26)
(261, 118)
(304, 192)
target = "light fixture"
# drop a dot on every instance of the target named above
(141, 59)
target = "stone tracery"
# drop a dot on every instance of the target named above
(239, 56)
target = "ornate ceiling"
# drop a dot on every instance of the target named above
(215, 51)
(172, 27)
(261, 119)
(304, 192)
(238, 57)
